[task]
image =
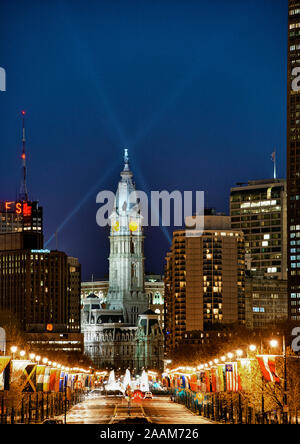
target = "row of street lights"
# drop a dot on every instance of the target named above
(37, 358)
(231, 355)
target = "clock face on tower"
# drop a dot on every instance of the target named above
(116, 226)
(133, 225)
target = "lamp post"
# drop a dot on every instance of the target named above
(274, 343)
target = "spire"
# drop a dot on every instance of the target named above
(126, 173)
(23, 191)
(126, 160)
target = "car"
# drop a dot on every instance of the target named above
(148, 395)
(53, 421)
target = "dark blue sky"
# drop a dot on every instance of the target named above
(195, 89)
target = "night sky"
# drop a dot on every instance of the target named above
(196, 90)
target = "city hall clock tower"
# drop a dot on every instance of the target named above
(126, 261)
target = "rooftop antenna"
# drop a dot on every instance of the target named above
(23, 190)
(274, 162)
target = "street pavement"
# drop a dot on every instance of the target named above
(113, 410)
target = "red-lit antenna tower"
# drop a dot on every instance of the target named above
(23, 190)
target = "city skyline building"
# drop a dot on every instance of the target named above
(293, 162)
(259, 210)
(204, 281)
(120, 331)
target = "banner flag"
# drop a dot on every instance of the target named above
(231, 377)
(268, 368)
(23, 375)
(207, 381)
(46, 386)
(213, 372)
(4, 372)
(193, 383)
(52, 379)
(57, 381)
(30, 379)
(202, 382)
(40, 371)
(221, 378)
(61, 381)
(66, 380)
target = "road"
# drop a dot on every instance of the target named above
(112, 410)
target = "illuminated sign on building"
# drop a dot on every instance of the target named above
(23, 208)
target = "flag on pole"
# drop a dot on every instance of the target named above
(213, 373)
(57, 381)
(193, 382)
(232, 384)
(40, 372)
(46, 386)
(61, 381)
(52, 379)
(207, 380)
(268, 368)
(221, 385)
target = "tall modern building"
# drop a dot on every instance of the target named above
(293, 160)
(259, 210)
(121, 331)
(204, 281)
(41, 288)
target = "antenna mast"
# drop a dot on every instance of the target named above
(23, 191)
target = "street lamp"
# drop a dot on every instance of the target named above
(22, 353)
(230, 355)
(13, 349)
(38, 358)
(239, 352)
(32, 356)
(252, 347)
(274, 343)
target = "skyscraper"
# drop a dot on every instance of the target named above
(259, 210)
(204, 281)
(293, 161)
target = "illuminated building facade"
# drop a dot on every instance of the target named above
(154, 289)
(40, 287)
(21, 225)
(266, 302)
(293, 162)
(259, 209)
(204, 281)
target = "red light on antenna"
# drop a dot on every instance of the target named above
(23, 156)
(23, 112)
